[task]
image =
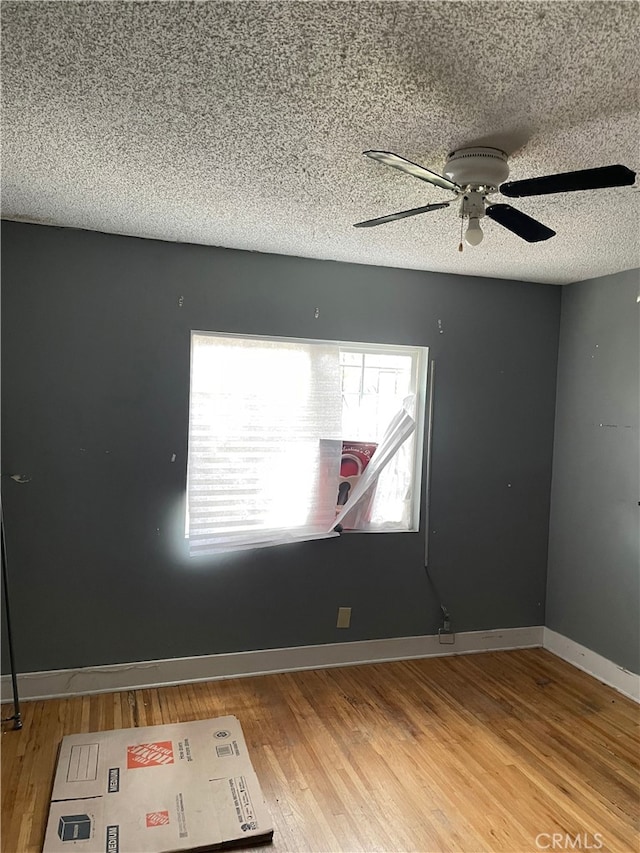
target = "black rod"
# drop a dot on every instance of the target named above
(17, 717)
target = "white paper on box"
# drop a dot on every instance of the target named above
(177, 787)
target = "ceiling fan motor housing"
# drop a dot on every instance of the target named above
(477, 167)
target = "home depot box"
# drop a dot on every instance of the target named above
(184, 786)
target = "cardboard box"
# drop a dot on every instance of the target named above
(355, 458)
(158, 789)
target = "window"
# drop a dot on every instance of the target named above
(273, 422)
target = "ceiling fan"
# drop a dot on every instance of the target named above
(473, 174)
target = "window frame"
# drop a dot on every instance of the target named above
(420, 359)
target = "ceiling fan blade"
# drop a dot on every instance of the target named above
(524, 226)
(403, 213)
(410, 168)
(585, 179)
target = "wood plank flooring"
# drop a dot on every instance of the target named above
(488, 752)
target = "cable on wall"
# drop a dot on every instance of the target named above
(445, 628)
(16, 718)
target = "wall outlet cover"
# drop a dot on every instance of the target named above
(344, 617)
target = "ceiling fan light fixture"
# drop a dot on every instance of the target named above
(473, 235)
(472, 174)
(475, 167)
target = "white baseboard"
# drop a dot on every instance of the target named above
(164, 673)
(625, 682)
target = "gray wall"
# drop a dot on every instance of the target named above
(95, 402)
(593, 593)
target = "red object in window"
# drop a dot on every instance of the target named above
(356, 455)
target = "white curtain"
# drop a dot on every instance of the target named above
(264, 442)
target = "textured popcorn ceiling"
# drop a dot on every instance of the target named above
(243, 124)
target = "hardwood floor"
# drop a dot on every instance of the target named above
(486, 752)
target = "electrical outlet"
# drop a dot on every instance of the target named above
(344, 617)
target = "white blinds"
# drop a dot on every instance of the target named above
(264, 441)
